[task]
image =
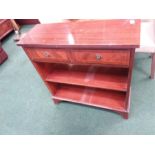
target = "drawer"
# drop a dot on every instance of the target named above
(47, 55)
(5, 27)
(107, 57)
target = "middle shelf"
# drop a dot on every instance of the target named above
(90, 76)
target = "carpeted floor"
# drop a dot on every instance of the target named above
(26, 106)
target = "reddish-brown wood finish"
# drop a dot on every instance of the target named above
(90, 76)
(27, 21)
(3, 55)
(95, 97)
(85, 34)
(49, 55)
(129, 79)
(5, 27)
(86, 62)
(96, 57)
(111, 57)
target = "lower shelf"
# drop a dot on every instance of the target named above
(107, 99)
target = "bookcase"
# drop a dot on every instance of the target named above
(86, 62)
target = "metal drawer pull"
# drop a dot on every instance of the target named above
(46, 54)
(98, 57)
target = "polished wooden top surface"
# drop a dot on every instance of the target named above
(85, 34)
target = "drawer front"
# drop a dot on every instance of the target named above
(5, 27)
(47, 55)
(107, 57)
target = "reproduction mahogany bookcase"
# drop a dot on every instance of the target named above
(86, 62)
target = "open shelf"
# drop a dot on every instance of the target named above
(90, 76)
(108, 99)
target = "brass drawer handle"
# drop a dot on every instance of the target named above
(98, 57)
(46, 54)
